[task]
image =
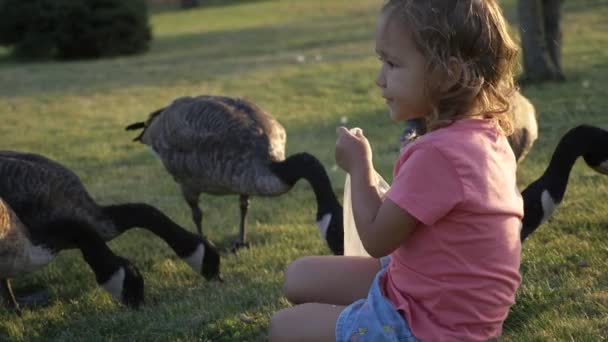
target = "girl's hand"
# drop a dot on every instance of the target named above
(353, 151)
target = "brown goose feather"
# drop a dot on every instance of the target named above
(218, 145)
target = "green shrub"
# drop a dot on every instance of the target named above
(71, 29)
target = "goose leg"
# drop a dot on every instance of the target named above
(197, 217)
(240, 242)
(197, 213)
(195, 250)
(7, 295)
(15, 303)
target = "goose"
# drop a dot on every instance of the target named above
(542, 196)
(222, 145)
(46, 209)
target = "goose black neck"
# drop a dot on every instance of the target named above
(129, 215)
(587, 141)
(304, 165)
(579, 141)
(70, 233)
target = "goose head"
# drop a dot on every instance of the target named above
(205, 260)
(211, 261)
(331, 227)
(125, 284)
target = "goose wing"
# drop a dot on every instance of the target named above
(219, 126)
(38, 188)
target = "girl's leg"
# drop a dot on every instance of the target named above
(338, 280)
(305, 322)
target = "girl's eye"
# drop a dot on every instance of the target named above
(387, 62)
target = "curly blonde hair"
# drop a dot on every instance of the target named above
(467, 45)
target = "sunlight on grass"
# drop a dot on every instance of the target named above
(311, 64)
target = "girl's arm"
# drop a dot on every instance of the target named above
(381, 224)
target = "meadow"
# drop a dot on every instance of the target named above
(312, 65)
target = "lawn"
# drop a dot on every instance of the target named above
(312, 65)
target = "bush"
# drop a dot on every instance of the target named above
(71, 29)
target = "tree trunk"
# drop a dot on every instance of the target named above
(190, 3)
(553, 33)
(539, 24)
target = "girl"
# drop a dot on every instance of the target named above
(450, 222)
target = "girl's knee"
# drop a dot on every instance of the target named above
(279, 326)
(295, 277)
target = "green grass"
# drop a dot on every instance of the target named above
(75, 113)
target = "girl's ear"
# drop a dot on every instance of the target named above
(454, 74)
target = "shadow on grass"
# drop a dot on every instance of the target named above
(175, 6)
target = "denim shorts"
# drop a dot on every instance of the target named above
(373, 318)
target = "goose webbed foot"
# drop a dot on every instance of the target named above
(237, 244)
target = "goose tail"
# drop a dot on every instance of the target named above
(143, 124)
(134, 126)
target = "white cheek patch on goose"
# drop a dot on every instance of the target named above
(548, 206)
(115, 284)
(195, 260)
(602, 168)
(323, 225)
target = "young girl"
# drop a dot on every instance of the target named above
(445, 237)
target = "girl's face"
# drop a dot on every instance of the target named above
(402, 74)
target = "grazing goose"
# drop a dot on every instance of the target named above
(46, 209)
(221, 145)
(542, 196)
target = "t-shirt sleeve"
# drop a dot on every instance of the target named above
(426, 185)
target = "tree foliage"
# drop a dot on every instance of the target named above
(72, 29)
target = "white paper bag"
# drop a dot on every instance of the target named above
(352, 243)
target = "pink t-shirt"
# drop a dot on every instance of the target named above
(455, 277)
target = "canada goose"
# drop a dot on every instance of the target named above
(542, 196)
(46, 209)
(221, 145)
